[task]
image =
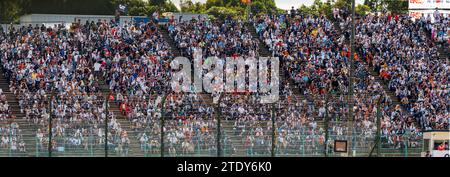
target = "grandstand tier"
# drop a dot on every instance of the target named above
(104, 88)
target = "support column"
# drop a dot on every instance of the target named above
(162, 124)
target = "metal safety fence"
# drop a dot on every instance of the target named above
(174, 125)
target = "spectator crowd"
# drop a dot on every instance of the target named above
(62, 73)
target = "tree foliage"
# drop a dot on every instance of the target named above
(191, 7)
(362, 9)
(223, 12)
(233, 8)
(395, 6)
(142, 8)
(11, 10)
(319, 7)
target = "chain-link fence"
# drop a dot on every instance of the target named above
(60, 125)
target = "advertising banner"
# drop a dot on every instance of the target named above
(429, 4)
(441, 153)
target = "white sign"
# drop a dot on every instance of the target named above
(429, 4)
(416, 14)
(441, 153)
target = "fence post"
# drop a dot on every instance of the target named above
(37, 147)
(162, 124)
(406, 148)
(219, 128)
(406, 140)
(91, 142)
(379, 128)
(350, 87)
(10, 139)
(326, 126)
(273, 130)
(302, 141)
(106, 127)
(50, 133)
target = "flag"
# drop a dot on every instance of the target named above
(122, 8)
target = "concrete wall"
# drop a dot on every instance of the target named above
(67, 19)
(50, 20)
(187, 16)
(7, 26)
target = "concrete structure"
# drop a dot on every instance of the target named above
(185, 16)
(67, 19)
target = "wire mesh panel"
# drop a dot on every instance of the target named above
(143, 114)
(132, 62)
(11, 133)
(78, 125)
(360, 132)
(247, 125)
(36, 113)
(12, 143)
(190, 126)
(299, 128)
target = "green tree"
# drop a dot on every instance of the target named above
(396, 6)
(137, 8)
(223, 12)
(191, 7)
(263, 6)
(234, 8)
(362, 9)
(143, 8)
(324, 8)
(170, 7)
(11, 10)
(233, 3)
(257, 7)
(343, 4)
(160, 3)
(374, 5)
(214, 3)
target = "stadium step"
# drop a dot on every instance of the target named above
(173, 45)
(443, 50)
(207, 98)
(395, 100)
(383, 83)
(443, 53)
(134, 148)
(28, 131)
(236, 141)
(166, 35)
(264, 52)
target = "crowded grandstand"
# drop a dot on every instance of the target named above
(96, 87)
